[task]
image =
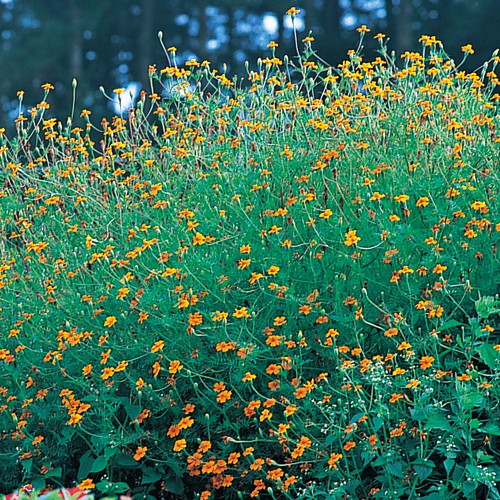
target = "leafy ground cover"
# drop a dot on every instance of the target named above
(287, 290)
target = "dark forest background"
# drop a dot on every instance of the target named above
(111, 43)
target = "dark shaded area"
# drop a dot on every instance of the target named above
(102, 44)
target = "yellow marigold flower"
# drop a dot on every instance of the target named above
(248, 377)
(143, 317)
(279, 321)
(175, 366)
(422, 201)
(326, 214)
(158, 346)
(401, 198)
(110, 321)
(412, 384)
(292, 11)
(439, 269)
(86, 370)
(377, 196)
(119, 91)
(243, 263)
(108, 372)
(351, 238)
(273, 270)
(242, 312)
(468, 49)
(363, 29)
(199, 239)
(464, 377)
(86, 484)
(180, 444)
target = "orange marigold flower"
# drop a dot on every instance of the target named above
(426, 362)
(334, 458)
(173, 431)
(224, 396)
(305, 309)
(395, 397)
(140, 452)
(349, 445)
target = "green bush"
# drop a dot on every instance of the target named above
(287, 289)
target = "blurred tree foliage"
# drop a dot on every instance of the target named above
(102, 42)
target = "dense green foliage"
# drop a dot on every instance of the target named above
(100, 42)
(286, 291)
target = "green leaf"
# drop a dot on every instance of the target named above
(486, 306)
(124, 460)
(330, 439)
(488, 354)
(150, 475)
(449, 463)
(378, 422)
(27, 464)
(437, 421)
(395, 469)
(119, 487)
(423, 470)
(174, 485)
(99, 464)
(490, 428)
(86, 462)
(452, 323)
(132, 410)
(55, 473)
(103, 486)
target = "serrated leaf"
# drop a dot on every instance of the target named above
(423, 470)
(437, 421)
(395, 469)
